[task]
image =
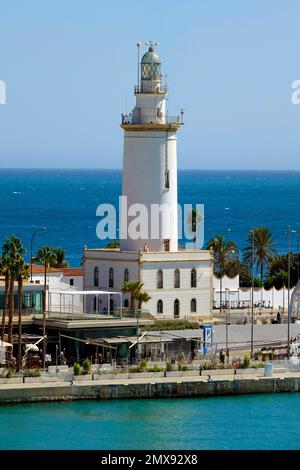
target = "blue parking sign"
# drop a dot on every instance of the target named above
(207, 338)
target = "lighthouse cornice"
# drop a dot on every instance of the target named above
(167, 127)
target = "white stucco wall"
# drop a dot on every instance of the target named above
(144, 267)
(57, 280)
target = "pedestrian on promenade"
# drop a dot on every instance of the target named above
(222, 356)
(278, 317)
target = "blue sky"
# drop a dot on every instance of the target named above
(70, 68)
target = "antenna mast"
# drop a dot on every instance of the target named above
(138, 45)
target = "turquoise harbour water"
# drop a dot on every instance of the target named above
(239, 422)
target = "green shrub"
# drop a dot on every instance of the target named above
(32, 373)
(172, 325)
(225, 366)
(134, 369)
(143, 364)
(258, 365)
(182, 367)
(155, 369)
(246, 361)
(7, 373)
(210, 364)
(86, 366)
(169, 366)
(77, 368)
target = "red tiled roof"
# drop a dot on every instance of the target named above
(72, 271)
(36, 269)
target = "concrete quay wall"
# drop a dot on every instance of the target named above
(163, 388)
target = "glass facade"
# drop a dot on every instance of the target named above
(30, 300)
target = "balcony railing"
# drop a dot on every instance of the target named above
(162, 90)
(129, 119)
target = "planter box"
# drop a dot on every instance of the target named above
(83, 378)
(32, 380)
(52, 369)
(218, 372)
(251, 370)
(111, 376)
(12, 380)
(145, 375)
(182, 373)
(175, 373)
(189, 373)
(105, 376)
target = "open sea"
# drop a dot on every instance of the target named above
(65, 201)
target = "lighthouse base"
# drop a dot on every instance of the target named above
(180, 283)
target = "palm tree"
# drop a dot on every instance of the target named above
(141, 298)
(22, 273)
(60, 261)
(47, 257)
(133, 288)
(4, 271)
(12, 250)
(259, 238)
(223, 252)
(194, 217)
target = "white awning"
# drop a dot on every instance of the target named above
(82, 292)
(4, 344)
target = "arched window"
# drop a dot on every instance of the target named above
(111, 278)
(126, 275)
(96, 276)
(193, 306)
(95, 304)
(160, 306)
(177, 278)
(176, 308)
(160, 279)
(126, 303)
(193, 278)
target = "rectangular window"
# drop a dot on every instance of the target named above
(71, 282)
(167, 180)
(166, 245)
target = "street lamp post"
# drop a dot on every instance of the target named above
(226, 330)
(41, 229)
(252, 296)
(298, 255)
(289, 288)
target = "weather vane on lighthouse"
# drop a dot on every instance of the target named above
(152, 43)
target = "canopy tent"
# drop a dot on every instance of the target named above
(4, 349)
(295, 302)
(62, 293)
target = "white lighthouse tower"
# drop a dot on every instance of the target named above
(150, 161)
(179, 281)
